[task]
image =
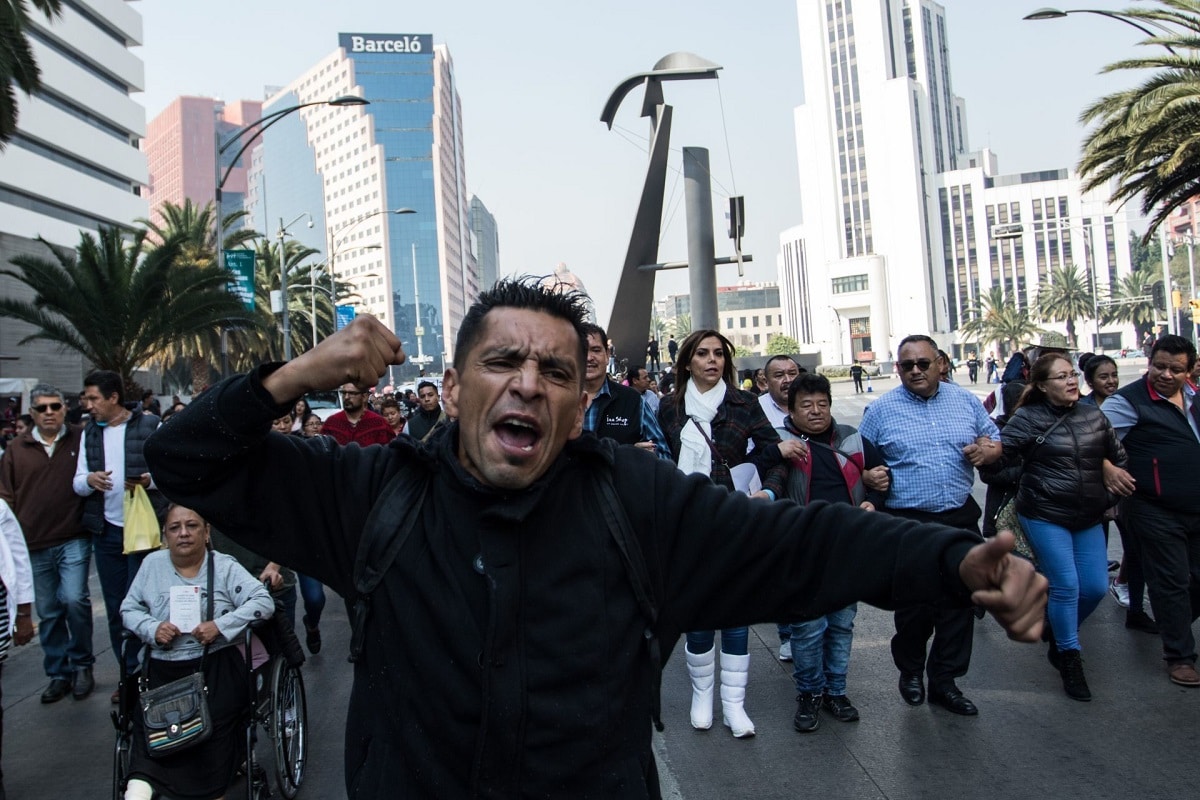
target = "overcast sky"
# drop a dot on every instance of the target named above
(534, 76)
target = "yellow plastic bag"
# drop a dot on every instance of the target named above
(141, 525)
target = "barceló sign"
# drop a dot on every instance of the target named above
(410, 43)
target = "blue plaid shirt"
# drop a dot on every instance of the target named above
(922, 440)
(651, 430)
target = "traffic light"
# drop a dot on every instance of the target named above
(1159, 294)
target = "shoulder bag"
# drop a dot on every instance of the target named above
(175, 716)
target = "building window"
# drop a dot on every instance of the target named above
(754, 322)
(768, 319)
(850, 283)
(741, 322)
(729, 322)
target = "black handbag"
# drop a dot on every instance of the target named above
(175, 716)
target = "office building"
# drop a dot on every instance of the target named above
(748, 314)
(897, 235)
(487, 242)
(352, 167)
(181, 145)
(74, 163)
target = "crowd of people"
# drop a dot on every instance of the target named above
(523, 433)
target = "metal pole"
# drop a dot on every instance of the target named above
(312, 297)
(1166, 271)
(702, 273)
(419, 330)
(220, 241)
(287, 327)
(1191, 241)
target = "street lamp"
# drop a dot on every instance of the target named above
(1055, 13)
(345, 229)
(332, 290)
(283, 290)
(255, 129)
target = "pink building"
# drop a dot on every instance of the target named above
(180, 147)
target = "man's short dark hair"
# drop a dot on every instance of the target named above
(430, 384)
(1175, 345)
(918, 337)
(634, 373)
(525, 293)
(773, 359)
(808, 383)
(592, 329)
(107, 382)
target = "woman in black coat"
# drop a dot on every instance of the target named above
(1061, 500)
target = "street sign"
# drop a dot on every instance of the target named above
(344, 316)
(420, 331)
(1011, 230)
(241, 264)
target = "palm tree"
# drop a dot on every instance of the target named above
(265, 341)
(996, 320)
(1065, 296)
(1133, 305)
(17, 64)
(1146, 140)
(195, 228)
(681, 326)
(118, 304)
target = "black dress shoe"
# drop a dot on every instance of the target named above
(951, 699)
(912, 689)
(57, 690)
(84, 683)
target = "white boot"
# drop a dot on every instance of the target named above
(735, 674)
(701, 669)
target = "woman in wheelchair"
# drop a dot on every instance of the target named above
(205, 770)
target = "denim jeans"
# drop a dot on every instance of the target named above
(734, 641)
(821, 651)
(64, 607)
(1076, 564)
(313, 594)
(116, 571)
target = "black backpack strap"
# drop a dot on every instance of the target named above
(392, 519)
(635, 566)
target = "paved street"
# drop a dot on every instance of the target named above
(1137, 738)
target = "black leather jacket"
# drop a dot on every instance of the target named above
(1062, 478)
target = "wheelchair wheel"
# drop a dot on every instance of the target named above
(289, 729)
(121, 764)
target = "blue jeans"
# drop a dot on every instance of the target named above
(734, 641)
(821, 651)
(116, 571)
(1076, 564)
(313, 594)
(64, 607)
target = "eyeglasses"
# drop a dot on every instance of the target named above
(922, 364)
(1066, 376)
(44, 407)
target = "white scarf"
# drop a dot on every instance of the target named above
(695, 454)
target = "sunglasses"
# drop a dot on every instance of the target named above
(922, 364)
(44, 407)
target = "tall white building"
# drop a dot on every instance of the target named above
(350, 167)
(884, 170)
(74, 164)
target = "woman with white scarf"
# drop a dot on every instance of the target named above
(708, 423)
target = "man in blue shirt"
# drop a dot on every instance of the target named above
(932, 436)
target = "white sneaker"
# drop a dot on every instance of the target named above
(785, 651)
(1120, 593)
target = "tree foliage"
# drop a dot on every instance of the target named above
(1145, 141)
(1065, 295)
(18, 67)
(781, 345)
(996, 323)
(116, 303)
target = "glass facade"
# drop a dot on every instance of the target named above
(847, 113)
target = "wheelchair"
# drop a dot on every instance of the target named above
(276, 703)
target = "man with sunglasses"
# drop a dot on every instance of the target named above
(355, 422)
(35, 480)
(932, 436)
